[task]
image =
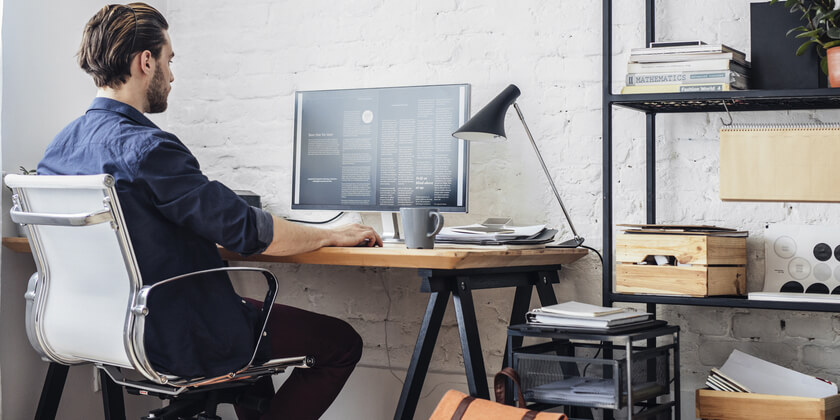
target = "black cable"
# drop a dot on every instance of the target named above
(594, 357)
(596, 252)
(341, 213)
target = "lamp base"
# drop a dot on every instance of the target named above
(571, 243)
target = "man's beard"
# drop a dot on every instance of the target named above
(157, 93)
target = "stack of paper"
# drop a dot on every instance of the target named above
(508, 235)
(584, 315)
(746, 373)
(587, 390)
(576, 389)
(718, 381)
(705, 230)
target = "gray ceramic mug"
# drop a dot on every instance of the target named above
(420, 225)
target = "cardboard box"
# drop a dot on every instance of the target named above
(700, 266)
(719, 405)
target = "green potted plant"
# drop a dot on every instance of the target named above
(820, 29)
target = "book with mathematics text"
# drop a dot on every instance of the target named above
(676, 88)
(680, 66)
(688, 78)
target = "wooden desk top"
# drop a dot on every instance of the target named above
(398, 256)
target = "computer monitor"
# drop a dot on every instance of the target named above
(379, 149)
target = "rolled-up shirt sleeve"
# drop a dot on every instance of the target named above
(265, 227)
(187, 198)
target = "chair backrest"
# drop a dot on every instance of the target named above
(87, 274)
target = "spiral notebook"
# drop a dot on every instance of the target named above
(793, 162)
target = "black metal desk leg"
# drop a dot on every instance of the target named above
(545, 290)
(426, 339)
(51, 393)
(470, 343)
(677, 397)
(521, 303)
(112, 398)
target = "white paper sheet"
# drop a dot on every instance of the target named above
(763, 377)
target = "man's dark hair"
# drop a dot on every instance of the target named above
(114, 35)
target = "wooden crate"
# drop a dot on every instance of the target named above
(716, 265)
(719, 405)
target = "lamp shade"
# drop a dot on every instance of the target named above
(489, 122)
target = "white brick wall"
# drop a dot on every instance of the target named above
(238, 64)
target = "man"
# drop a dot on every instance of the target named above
(176, 216)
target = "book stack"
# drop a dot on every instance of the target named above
(693, 66)
(583, 315)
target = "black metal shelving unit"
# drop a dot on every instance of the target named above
(652, 104)
(745, 100)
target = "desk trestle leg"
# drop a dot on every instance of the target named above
(419, 365)
(470, 343)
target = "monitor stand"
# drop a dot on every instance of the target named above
(391, 228)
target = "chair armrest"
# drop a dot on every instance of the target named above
(141, 308)
(77, 219)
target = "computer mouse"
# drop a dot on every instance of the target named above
(363, 243)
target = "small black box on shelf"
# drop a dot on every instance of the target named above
(775, 64)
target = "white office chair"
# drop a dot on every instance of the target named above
(87, 303)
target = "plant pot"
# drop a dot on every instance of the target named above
(833, 59)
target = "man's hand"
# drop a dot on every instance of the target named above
(355, 234)
(293, 238)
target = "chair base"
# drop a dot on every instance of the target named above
(202, 403)
(197, 404)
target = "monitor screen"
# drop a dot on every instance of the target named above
(379, 149)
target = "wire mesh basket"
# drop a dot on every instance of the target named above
(579, 375)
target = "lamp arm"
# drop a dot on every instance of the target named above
(547, 174)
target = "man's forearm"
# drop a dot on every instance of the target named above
(294, 238)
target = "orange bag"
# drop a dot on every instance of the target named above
(456, 405)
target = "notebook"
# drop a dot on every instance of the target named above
(780, 162)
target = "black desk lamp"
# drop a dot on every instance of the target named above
(488, 124)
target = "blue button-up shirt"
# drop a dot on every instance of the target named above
(175, 217)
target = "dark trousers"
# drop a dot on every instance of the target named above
(307, 393)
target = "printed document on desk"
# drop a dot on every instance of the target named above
(511, 235)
